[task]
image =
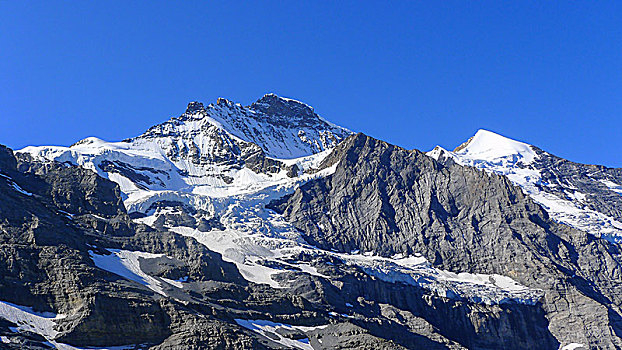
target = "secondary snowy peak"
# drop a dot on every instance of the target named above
(579, 195)
(487, 145)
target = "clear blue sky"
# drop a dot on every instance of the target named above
(414, 73)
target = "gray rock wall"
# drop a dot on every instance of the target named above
(388, 200)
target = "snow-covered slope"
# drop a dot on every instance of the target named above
(41, 323)
(572, 193)
(283, 128)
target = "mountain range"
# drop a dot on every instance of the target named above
(268, 227)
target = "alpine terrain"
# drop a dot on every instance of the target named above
(268, 227)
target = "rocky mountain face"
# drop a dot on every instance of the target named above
(388, 200)
(54, 218)
(80, 273)
(267, 227)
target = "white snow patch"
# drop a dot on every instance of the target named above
(179, 283)
(126, 264)
(15, 186)
(574, 215)
(29, 320)
(61, 346)
(416, 271)
(20, 190)
(612, 186)
(268, 329)
(311, 270)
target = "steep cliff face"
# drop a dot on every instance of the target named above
(387, 200)
(415, 317)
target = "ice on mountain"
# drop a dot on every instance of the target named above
(613, 186)
(29, 320)
(15, 186)
(256, 239)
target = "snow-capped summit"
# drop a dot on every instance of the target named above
(281, 127)
(579, 195)
(216, 147)
(491, 146)
(486, 150)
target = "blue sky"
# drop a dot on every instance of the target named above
(416, 73)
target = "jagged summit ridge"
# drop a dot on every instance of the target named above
(194, 107)
(287, 110)
(282, 127)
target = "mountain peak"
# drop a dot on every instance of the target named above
(274, 105)
(272, 98)
(221, 101)
(281, 127)
(194, 107)
(486, 144)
